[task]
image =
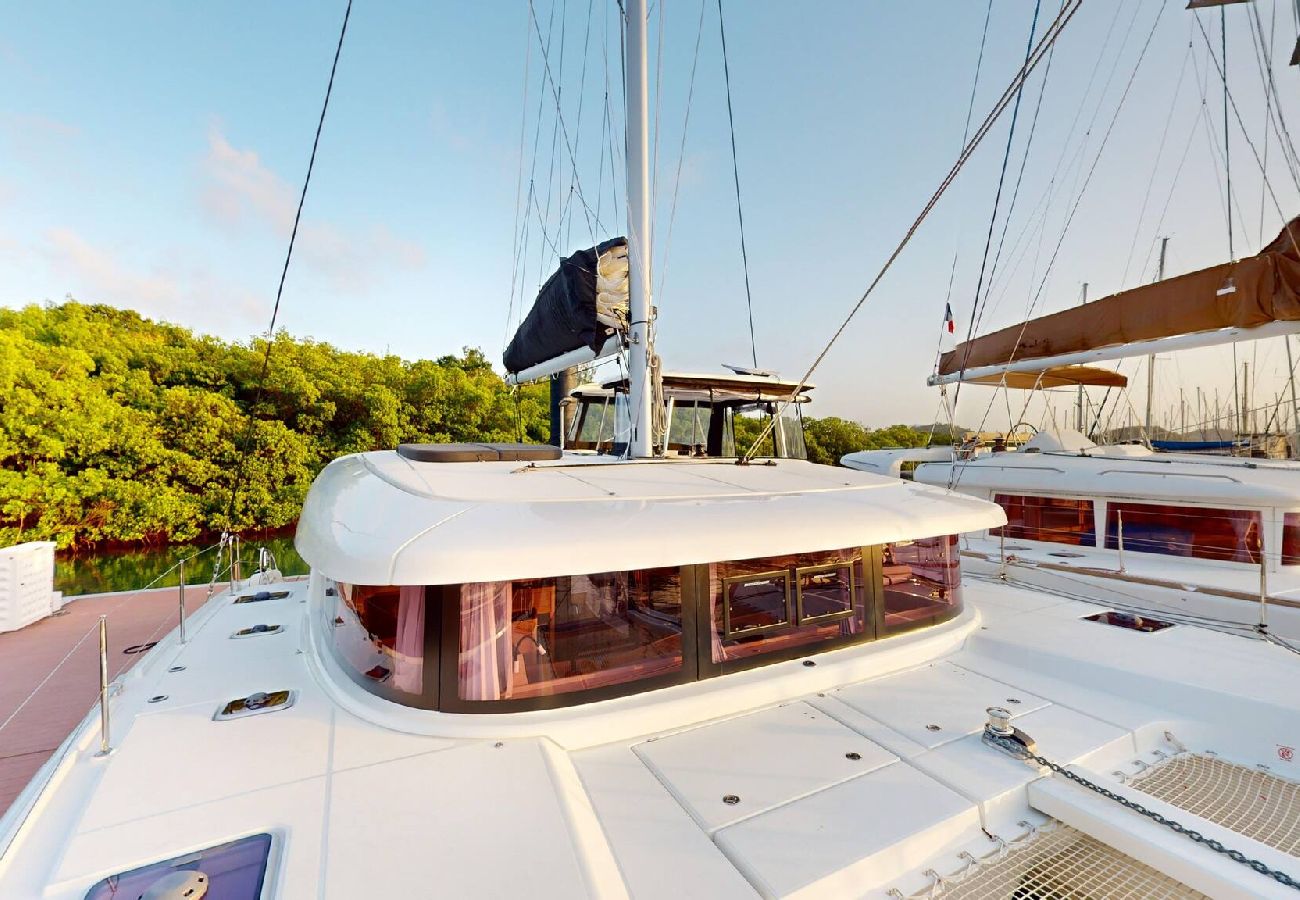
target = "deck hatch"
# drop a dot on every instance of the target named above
(1131, 621)
(235, 870)
(257, 630)
(255, 704)
(261, 596)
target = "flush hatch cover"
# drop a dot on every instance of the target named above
(256, 703)
(235, 870)
(459, 453)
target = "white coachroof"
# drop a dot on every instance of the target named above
(379, 518)
(1129, 472)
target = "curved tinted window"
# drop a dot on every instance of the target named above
(922, 582)
(378, 633)
(533, 638)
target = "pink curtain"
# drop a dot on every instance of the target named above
(408, 662)
(485, 671)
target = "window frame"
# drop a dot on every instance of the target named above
(728, 633)
(800, 571)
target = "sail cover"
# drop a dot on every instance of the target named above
(579, 306)
(1248, 293)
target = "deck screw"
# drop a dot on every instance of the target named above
(854, 755)
(1013, 699)
(730, 799)
(499, 744)
(176, 669)
(933, 728)
(809, 662)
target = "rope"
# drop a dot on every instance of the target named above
(735, 171)
(284, 271)
(1049, 38)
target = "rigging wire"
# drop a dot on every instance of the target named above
(955, 476)
(681, 153)
(977, 306)
(735, 171)
(588, 212)
(284, 271)
(1053, 32)
(1072, 162)
(956, 250)
(520, 213)
(1155, 164)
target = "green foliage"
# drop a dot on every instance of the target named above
(116, 429)
(830, 438)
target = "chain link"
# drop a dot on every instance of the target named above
(1018, 750)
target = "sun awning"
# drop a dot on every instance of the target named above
(1232, 298)
(1054, 377)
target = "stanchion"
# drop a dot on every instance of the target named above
(1119, 534)
(180, 601)
(105, 747)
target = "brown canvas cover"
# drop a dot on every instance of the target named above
(1245, 294)
(1054, 377)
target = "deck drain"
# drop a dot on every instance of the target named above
(1065, 554)
(933, 728)
(809, 662)
(140, 648)
(157, 698)
(1013, 699)
(730, 799)
(176, 669)
(853, 755)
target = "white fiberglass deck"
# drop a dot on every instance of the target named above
(846, 778)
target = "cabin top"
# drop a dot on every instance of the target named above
(382, 518)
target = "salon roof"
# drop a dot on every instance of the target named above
(380, 518)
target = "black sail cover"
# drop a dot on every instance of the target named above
(580, 305)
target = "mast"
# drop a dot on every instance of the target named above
(1151, 360)
(1078, 418)
(638, 233)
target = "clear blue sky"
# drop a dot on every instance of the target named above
(151, 154)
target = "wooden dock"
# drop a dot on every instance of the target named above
(49, 671)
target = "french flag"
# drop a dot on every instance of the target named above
(948, 322)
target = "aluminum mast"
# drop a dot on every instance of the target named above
(638, 234)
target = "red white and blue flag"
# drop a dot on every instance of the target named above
(948, 322)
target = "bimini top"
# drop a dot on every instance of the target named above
(684, 386)
(381, 518)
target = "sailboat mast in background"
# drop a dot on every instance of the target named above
(1151, 360)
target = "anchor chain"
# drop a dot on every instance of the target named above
(1019, 751)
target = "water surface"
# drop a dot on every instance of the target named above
(129, 570)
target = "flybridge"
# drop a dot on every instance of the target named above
(1252, 298)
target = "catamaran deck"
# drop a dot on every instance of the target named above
(848, 777)
(49, 671)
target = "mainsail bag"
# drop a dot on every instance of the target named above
(581, 305)
(1248, 293)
